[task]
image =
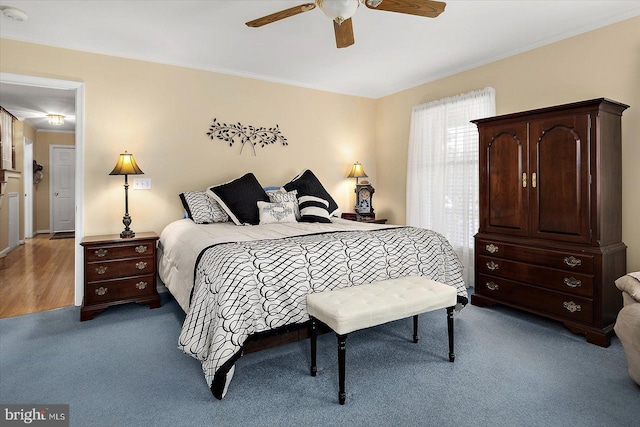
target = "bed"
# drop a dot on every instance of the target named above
(244, 260)
(239, 282)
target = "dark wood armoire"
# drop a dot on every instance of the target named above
(550, 237)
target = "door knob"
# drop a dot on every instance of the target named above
(55, 194)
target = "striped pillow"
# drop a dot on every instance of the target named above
(313, 209)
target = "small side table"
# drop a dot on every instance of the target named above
(119, 271)
(353, 217)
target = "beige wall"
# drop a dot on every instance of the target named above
(601, 63)
(161, 114)
(43, 141)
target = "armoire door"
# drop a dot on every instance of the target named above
(504, 196)
(560, 175)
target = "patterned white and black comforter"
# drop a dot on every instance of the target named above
(255, 286)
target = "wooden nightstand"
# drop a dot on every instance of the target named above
(118, 271)
(353, 217)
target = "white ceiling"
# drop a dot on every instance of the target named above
(32, 105)
(392, 51)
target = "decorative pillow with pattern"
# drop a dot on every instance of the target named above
(307, 184)
(314, 209)
(280, 196)
(201, 208)
(239, 199)
(271, 213)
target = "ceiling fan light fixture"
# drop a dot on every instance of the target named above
(338, 10)
(55, 119)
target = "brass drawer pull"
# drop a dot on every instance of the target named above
(101, 269)
(491, 248)
(571, 306)
(141, 265)
(492, 286)
(141, 285)
(572, 261)
(492, 265)
(101, 253)
(101, 291)
(572, 282)
(141, 249)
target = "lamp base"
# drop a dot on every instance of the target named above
(127, 234)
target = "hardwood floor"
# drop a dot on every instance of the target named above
(38, 276)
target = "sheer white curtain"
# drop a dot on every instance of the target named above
(442, 169)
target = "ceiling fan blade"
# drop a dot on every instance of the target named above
(430, 9)
(281, 15)
(344, 33)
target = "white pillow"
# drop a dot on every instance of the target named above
(281, 195)
(271, 213)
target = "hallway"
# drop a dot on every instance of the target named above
(38, 276)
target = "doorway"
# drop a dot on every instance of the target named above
(78, 88)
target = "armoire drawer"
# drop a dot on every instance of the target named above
(536, 298)
(575, 262)
(565, 281)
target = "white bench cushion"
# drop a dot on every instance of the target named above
(358, 307)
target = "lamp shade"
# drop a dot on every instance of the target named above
(126, 166)
(357, 171)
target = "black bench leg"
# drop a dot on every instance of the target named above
(314, 340)
(452, 356)
(415, 328)
(342, 350)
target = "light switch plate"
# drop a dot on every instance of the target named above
(142, 183)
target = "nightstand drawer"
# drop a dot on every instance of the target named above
(110, 252)
(119, 268)
(112, 290)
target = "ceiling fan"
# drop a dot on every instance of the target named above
(341, 11)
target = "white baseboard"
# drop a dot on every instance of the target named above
(43, 232)
(4, 251)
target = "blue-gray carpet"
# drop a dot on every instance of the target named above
(123, 368)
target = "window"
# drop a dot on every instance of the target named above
(442, 169)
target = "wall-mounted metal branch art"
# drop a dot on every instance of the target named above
(246, 134)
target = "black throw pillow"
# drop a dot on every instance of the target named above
(239, 198)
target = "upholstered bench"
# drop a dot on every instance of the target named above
(358, 307)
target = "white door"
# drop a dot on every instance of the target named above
(28, 188)
(63, 203)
